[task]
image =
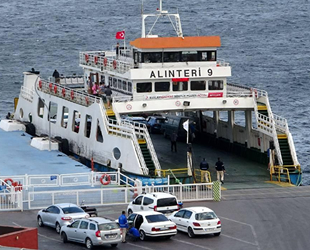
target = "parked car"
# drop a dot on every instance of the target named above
(94, 231)
(137, 119)
(155, 123)
(152, 224)
(197, 221)
(161, 202)
(59, 215)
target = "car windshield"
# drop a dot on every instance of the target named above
(108, 226)
(156, 218)
(72, 210)
(167, 202)
(205, 216)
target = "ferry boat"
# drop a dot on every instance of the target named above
(180, 74)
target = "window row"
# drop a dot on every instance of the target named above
(202, 85)
(120, 84)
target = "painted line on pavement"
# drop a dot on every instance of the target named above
(39, 234)
(139, 246)
(246, 224)
(188, 243)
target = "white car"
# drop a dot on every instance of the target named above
(59, 215)
(161, 202)
(152, 224)
(197, 221)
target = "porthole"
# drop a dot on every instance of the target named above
(21, 113)
(116, 153)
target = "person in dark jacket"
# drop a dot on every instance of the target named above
(204, 166)
(220, 170)
(123, 224)
(173, 139)
(108, 94)
(56, 76)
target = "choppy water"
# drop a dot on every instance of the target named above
(267, 44)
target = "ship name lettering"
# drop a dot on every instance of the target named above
(176, 73)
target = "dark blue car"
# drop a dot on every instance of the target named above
(155, 123)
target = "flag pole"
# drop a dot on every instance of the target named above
(187, 136)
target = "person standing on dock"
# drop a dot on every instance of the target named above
(123, 224)
(173, 139)
(56, 76)
(220, 170)
(204, 166)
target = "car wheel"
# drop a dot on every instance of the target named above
(89, 243)
(64, 237)
(168, 237)
(58, 227)
(129, 212)
(190, 232)
(217, 234)
(113, 245)
(142, 235)
(40, 222)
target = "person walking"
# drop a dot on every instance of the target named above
(123, 224)
(56, 76)
(220, 170)
(173, 139)
(204, 166)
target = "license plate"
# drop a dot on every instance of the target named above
(111, 235)
(208, 229)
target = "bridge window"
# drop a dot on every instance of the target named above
(189, 56)
(152, 57)
(143, 87)
(76, 121)
(171, 56)
(53, 112)
(130, 86)
(87, 126)
(215, 84)
(180, 86)
(114, 83)
(41, 108)
(124, 85)
(64, 117)
(119, 84)
(198, 85)
(162, 86)
(207, 55)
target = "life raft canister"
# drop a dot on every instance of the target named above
(86, 58)
(40, 84)
(63, 91)
(86, 99)
(96, 59)
(107, 179)
(55, 89)
(105, 61)
(114, 64)
(72, 94)
(51, 86)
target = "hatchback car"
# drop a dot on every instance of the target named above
(137, 119)
(197, 221)
(60, 214)
(155, 123)
(94, 231)
(161, 202)
(152, 224)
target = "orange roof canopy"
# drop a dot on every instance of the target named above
(176, 42)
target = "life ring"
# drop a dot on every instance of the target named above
(105, 61)
(86, 100)
(86, 58)
(63, 91)
(72, 94)
(55, 89)
(114, 64)
(9, 179)
(40, 84)
(96, 59)
(108, 179)
(51, 86)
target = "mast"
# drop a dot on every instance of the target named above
(161, 13)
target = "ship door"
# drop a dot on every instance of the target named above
(94, 77)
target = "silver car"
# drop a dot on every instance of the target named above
(94, 231)
(60, 214)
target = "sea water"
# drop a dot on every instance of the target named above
(267, 43)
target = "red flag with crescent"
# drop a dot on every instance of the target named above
(120, 35)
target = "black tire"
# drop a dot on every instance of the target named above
(30, 129)
(64, 237)
(168, 237)
(113, 245)
(89, 243)
(217, 234)
(190, 232)
(65, 146)
(40, 222)
(57, 227)
(142, 235)
(129, 212)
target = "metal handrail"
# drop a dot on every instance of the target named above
(280, 171)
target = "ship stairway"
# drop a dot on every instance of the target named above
(114, 125)
(284, 162)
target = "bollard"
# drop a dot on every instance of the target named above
(216, 191)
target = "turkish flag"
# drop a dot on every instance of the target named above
(120, 35)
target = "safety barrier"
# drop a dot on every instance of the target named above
(11, 198)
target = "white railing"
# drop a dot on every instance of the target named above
(292, 148)
(27, 94)
(69, 80)
(11, 200)
(221, 63)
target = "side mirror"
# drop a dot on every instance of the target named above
(69, 225)
(44, 210)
